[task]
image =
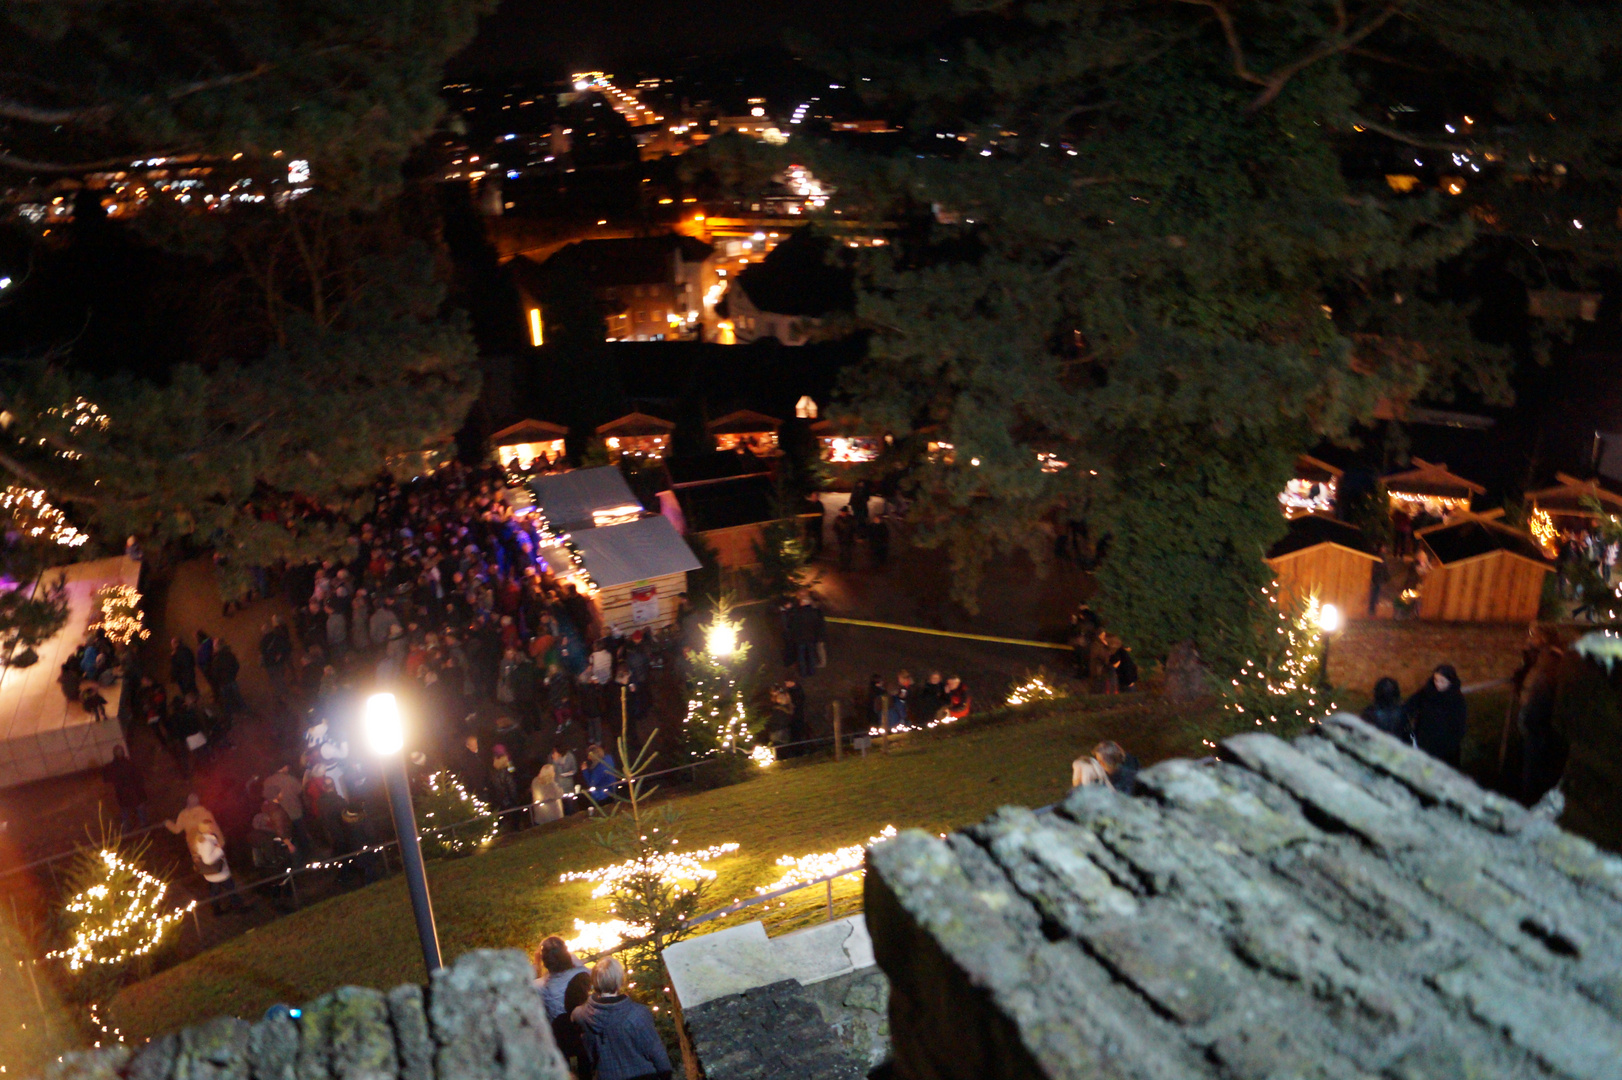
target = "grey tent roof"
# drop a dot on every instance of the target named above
(568, 499)
(638, 550)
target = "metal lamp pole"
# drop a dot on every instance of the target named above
(1329, 623)
(386, 735)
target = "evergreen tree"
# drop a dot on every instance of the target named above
(718, 719)
(233, 378)
(1276, 686)
(453, 820)
(1156, 242)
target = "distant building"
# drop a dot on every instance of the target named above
(786, 295)
(652, 287)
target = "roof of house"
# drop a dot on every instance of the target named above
(1343, 905)
(1314, 530)
(1472, 535)
(1426, 478)
(796, 278)
(528, 431)
(743, 421)
(632, 260)
(637, 423)
(569, 499)
(1569, 493)
(638, 550)
(1308, 467)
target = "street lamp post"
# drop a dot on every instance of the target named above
(386, 736)
(1328, 624)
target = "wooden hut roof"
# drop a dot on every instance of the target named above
(1567, 496)
(1427, 478)
(743, 422)
(1471, 536)
(1313, 530)
(1308, 467)
(637, 423)
(571, 500)
(528, 431)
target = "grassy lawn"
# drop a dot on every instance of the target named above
(510, 896)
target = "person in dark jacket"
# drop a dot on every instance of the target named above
(129, 789)
(929, 699)
(1387, 712)
(182, 666)
(618, 1032)
(1439, 717)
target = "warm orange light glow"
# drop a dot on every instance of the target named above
(537, 336)
(725, 332)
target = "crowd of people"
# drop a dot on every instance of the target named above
(607, 1034)
(508, 676)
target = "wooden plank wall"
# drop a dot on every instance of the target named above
(1496, 587)
(614, 605)
(1340, 577)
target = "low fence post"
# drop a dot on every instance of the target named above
(839, 744)
(830, 884)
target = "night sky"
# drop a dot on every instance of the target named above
(597, 34)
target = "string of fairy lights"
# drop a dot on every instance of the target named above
(121, 617)
(679, 868)
(114, 926)
(1284, 686)
(1035, 688)
(800, 869)
(454, 842)
(550, 537)
(33, 515)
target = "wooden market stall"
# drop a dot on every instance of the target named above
(637, 435)
(1568, 502)
(1311, 490)
(839, 445)
(746, 431)
(630, 562)
(527, 442)
(1429, 488)
(1327, 558)
(1484, 571)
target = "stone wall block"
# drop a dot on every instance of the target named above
(487, 1023)
(216, 1049)
(273, 1048)
(413, 1047)
(155, 1060)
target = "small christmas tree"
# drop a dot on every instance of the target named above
(1278, 687)
(120, 616)
(116, 918)
(452, 820)
(717, 707)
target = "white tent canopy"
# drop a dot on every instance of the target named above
(636, 551)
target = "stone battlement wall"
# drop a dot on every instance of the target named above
(478, 1019)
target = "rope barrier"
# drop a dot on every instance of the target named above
(949, 633)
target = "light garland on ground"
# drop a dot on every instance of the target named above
(594, 938)
(452, 842)
(1035, 688)
(675, 867)
(37, 519)
(121, 618)
(763, 756)
(799, 869)
(902, 729)
(137, 926)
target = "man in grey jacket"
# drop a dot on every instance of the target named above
(619, 1033)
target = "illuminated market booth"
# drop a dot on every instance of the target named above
(1327, 558)
(42, 733)
(1570, 504)
(594, 533)
(1312, 489)
(746, 431)
(637, 436)
(1485, 571)
(529, 444)
(840, 445)
(1428, 488)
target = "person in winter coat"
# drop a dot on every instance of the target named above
(1438, 714)
(1109, 765)
(545, 796)
(599, 777)
(208, 858)
(194, 821)
(929, 699)
(558, 967)
(957, 698)
(182, 666)
(619, 1034)
(129, 789)
(1543, 750)
(1387, 712)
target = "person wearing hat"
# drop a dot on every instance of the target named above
(208, 859)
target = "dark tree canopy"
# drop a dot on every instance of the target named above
(228, 379)
(1167, 243)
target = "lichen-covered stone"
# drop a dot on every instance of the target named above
(1343, 907)
(480, 1020)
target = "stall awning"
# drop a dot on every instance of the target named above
(1428, 478)
(638, 550)
(572, 500)
(528, 431)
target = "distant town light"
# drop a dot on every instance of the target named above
(757, 111)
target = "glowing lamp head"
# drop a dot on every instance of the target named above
(721, 639)
(385, 733)
(1329, 619)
